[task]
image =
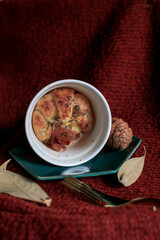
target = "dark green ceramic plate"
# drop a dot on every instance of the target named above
(106, 162)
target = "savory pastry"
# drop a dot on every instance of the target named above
(41, 127)
(47, 106)
(82, 103)
(64, 102)
(61, 116)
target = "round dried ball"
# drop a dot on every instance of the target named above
(120, 136)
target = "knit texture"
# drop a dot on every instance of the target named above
(113, 45)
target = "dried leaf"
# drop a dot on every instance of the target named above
(131, 170)
(19, 186)
(4, 165)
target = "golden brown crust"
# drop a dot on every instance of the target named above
(82, 102)
(64, 102)
(86, 121)
(46, 105)
(60, 116)
(40, 126)
(39, 122)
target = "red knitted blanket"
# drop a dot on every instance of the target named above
(113, 45)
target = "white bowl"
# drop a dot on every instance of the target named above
(87, 146)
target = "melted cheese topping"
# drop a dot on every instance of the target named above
(60, 116)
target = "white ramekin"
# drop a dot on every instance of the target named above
(88, 145)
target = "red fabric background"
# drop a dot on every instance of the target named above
(115, 46)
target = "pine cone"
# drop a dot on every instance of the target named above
(120, 136)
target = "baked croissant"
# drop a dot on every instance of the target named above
(60, 116)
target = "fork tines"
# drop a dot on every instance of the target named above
(83, 190)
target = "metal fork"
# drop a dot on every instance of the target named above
(96, 197)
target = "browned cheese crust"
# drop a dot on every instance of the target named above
(60, 116)
(64, 102)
